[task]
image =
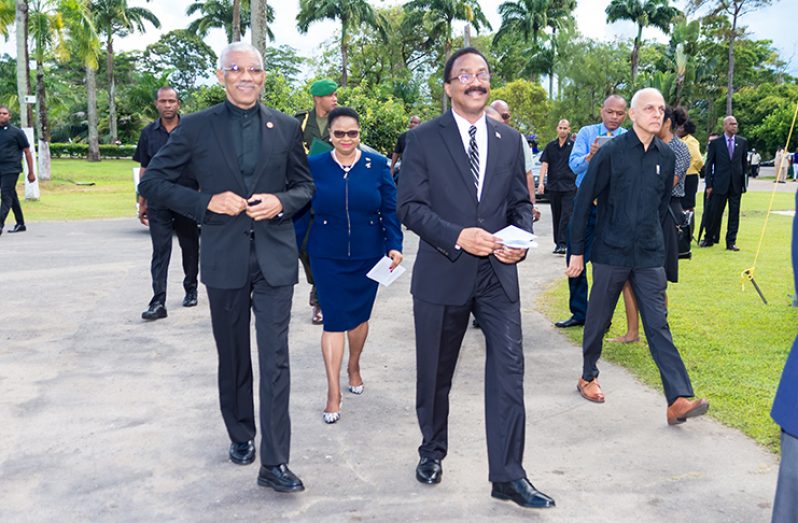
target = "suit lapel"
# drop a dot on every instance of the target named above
(454, 143)
(220, 124)
(266, 142)
(494, 141)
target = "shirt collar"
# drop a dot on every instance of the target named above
(729, 137)
(239, 112)
(158, 122)
(603, 130)
(463, 125)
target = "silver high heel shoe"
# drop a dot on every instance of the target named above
(331, 417)
(358, 389)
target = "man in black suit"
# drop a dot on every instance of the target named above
(462, 180)
(252, 173)
(727, 162)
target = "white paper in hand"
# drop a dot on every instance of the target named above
(381, 272)
(516, 238)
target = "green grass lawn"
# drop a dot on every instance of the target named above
(111, 196)
(733, 345)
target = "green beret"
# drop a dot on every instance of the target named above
(324, 87)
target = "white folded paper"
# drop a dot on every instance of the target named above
(516, 238)
(381, 272)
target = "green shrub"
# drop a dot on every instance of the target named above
(80, 150)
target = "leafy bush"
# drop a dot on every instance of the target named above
(80, 150)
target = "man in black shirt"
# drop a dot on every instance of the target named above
(13, 143)
(632, 178)
(164, 222)
(400, 146)
(561, 183)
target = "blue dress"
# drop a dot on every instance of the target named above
(354, 225)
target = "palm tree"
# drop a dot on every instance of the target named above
(558, 17)
(23, 64)
(51, 23)
(85, 44)
(441, 14)
(645, 13)
(349, 12)
(218, 14)
(115, 17)
(262, 16)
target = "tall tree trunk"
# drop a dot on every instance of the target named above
(44, 125)
(236, 20)
(23, 71)
(91, 112)
(467, 35)
(344, 51)
(553, 59)
(258, 9)
(730, 81)
(109, 46)
(447, 51)
(636, 52)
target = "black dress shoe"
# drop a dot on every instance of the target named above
(429, 471)
(705, 243)
(155, 312)
(191, 299)
(570, 322)
(522, 492)
(280, 478)
(475, 323)
(242, 453)
(732, 247)
(20, 227)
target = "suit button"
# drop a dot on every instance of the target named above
(325, 222)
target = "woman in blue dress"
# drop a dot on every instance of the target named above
(354, 226)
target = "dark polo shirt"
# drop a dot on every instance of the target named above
(12, 143)
(246, 132)
(559, 177)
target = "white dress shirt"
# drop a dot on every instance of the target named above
(482, 143)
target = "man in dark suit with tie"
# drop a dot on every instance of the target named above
(462, 180)
(250, 165)
(785, 413)
(727, 162)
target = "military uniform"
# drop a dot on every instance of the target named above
(310, 128)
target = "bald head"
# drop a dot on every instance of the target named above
(563, 129)
(730, 125)
(503, 109)
(493, 114)
(613, 112)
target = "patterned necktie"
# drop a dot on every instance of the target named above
(473, 155)
(730, 145)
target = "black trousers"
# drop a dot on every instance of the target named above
(717, 204)
(648, 286)
(439, 335)
(163, 223)
(9, 201)
(690, 190)
(562, 207)
(230, 317)
(578, 287)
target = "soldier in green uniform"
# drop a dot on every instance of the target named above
(316, 137)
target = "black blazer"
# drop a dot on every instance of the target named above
(437, 200)
(202, 148)
(722, 173)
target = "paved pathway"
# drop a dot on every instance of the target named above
(106, 418)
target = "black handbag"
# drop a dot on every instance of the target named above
(684, 232)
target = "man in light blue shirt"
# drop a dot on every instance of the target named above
(587, 144)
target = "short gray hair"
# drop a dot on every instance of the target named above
(647, 90)
(238, 47)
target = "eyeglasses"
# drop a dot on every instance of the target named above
(236, 69)
(354, 133)
(505, 116)
(467, 78)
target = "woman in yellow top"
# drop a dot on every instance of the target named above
(685, 132)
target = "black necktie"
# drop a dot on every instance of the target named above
(473, 155)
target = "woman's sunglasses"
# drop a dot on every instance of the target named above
(351, 134)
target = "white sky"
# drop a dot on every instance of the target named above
(776, 22)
